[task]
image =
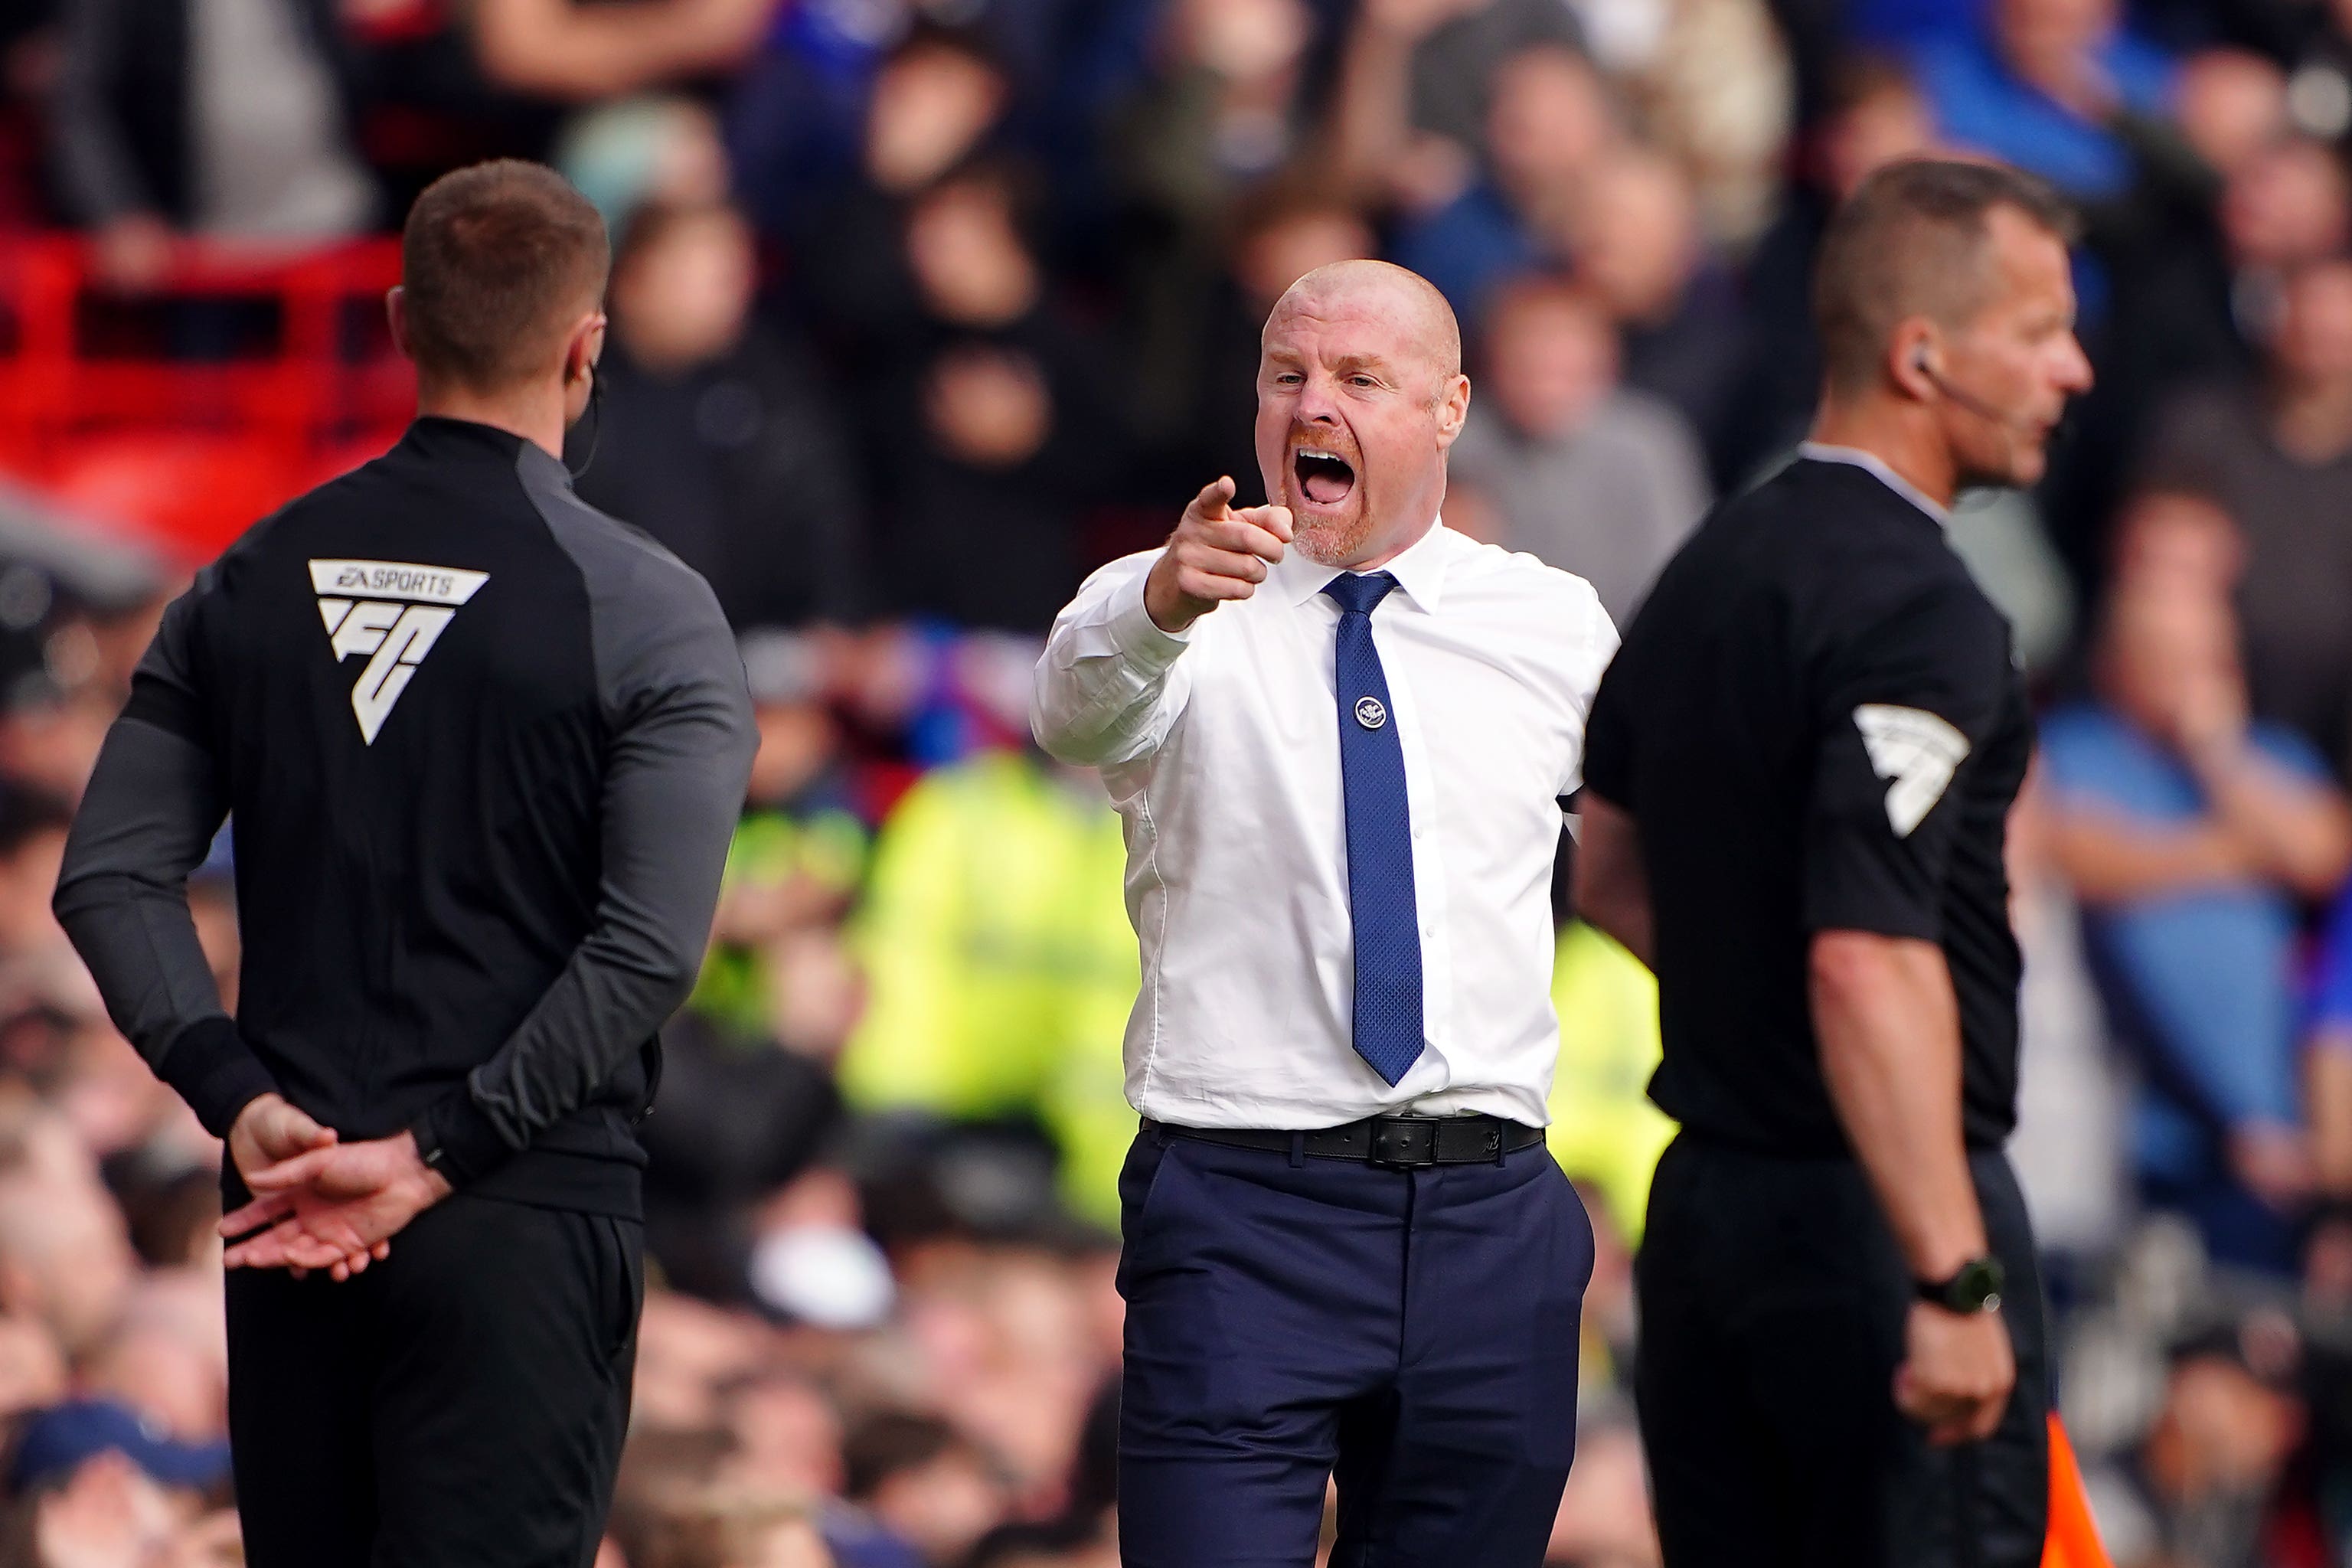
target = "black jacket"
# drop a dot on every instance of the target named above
(483, 748)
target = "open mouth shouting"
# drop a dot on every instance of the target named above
(1324, 477)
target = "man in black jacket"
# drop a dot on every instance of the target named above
(484, 749)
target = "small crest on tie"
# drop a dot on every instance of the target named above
(1370, 713)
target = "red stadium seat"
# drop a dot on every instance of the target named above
(191, 453)
(196, 489)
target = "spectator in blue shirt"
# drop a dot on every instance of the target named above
(2039, 86)
(2328, 1069)
(2191, 834)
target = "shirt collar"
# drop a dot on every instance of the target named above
(1419, 570)
(1823, 452)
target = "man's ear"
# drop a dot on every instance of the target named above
(396, 313)
(586, 347)
(1453, 409)
(1914, 357)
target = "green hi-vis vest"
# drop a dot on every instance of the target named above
(1001, 965)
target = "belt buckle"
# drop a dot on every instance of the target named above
(1403, 1142)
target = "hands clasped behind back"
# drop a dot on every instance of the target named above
(318, 1202)
(1217, 552)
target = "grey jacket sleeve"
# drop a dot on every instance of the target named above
(676, 766)
(146, 820)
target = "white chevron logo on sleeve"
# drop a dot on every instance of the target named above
(1916, 749)
(393, 611)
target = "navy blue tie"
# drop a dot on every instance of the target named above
(1380, 839)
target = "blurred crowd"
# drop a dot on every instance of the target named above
(923, 308)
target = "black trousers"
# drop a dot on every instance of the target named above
(461, 1405)
(1773, 1301)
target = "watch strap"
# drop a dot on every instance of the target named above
(1977, 1286)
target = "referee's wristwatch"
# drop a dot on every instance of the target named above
(1976, 1288)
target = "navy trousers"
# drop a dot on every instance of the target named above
(1413, 1333)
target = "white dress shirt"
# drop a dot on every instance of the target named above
(1220, 750)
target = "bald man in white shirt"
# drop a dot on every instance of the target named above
(1341, 735)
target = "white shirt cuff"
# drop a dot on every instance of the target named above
(1137, 635)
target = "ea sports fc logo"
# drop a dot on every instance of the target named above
(1370, 713)
(393, 612)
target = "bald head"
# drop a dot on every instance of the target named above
(1361, 391)
(1379, 288)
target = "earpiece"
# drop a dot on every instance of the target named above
(1965, 398)
(591, 416)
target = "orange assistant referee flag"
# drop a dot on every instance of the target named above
(2073, 1540)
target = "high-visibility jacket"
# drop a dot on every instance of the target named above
(1604, 1130)
(1000, 962)
(825, 847)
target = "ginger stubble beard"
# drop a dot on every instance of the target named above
(1326, 538)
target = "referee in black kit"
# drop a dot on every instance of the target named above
(484, 749)
(1797, 772)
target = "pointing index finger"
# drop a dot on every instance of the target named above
(1211, 502)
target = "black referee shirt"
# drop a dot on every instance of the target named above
(483, 748)
(1817, 724)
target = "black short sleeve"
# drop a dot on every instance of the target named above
(1608, 737)
(1903, 704)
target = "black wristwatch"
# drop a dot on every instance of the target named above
(1976, 1288)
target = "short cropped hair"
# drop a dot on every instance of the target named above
(496, 262)
(1910, 241)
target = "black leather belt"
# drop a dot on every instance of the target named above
(1398, 1142)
